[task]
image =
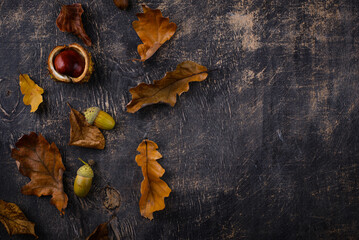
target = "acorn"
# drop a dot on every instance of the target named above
(83, 180)
(70, 63)
(95, 116)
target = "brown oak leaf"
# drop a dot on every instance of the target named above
(69, 20)
(83, 134)
(153, 30)
(42, 163)
(153, 189)
(166, 90)
(100, 233)
(15, 220)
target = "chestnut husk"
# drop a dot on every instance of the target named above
(86, 74)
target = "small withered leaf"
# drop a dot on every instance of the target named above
(69, 20)
(100, 233)
(83, 134)
(153, 30)
(42, 163)
(31, 91)
(153, 189)
(15, 220)
(166, 90)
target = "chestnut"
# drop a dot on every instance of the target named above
(70, 63)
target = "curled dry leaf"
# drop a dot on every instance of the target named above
(153, 30)
(69, 20)
(153, 189)
(42, 163)
(100, 233)
(15, 220)
(166, 90)
(83, 134)
(31, 91)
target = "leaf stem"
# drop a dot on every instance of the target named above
(84, 162)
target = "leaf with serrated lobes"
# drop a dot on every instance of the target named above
(153, 189)
(166, 90)
(42, 163)
(154, 30)
(15, 220)
(32, 92)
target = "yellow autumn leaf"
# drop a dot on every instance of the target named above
(31, 91)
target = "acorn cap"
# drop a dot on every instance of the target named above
(91, 114)
(85, 171)
(86, 74)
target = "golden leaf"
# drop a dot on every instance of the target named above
(166, 90)
(15, 220)
(42, 163)
(153, 189)
(100, 233)
(31, 91)
(83, 134)
(153, 30)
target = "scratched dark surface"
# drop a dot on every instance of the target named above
(266, 148)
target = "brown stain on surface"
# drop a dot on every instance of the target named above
(244, 25)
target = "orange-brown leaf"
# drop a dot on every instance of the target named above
(32, 92)
(153, 30)
(153, 189)
(69, 20)
(83, 134)
(166, 90)
(42, 163)
(15, 220)
(100, 233)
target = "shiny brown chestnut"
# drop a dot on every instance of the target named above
(70, 63)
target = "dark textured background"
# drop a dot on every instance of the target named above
(266, 148)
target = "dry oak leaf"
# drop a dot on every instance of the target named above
(100, 233)
(153, 189)
(31, 91)
(69, 20)
(15, 220)
(83, 134)
(42, 163)
(153, 30)
(166, 90)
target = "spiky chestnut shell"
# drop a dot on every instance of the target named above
(99, 118)
(88, 68)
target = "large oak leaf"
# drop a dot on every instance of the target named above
(83, 134)
(166, 90)
(153, 189)
(15, 220)
(153, 30)
(42, 163)
(31, 91)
